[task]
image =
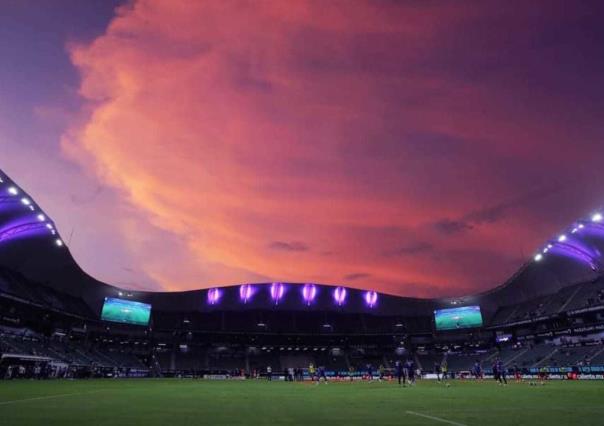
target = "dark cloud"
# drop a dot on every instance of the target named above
(356, 276)
(450, 227)
(495, 212)
(288, 246)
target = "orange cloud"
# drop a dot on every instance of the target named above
(305, 141)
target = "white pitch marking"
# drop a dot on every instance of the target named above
(436, 419)
(46, 397)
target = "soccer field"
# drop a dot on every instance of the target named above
(192, 402)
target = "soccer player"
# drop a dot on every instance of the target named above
(311, 371)
(517, 373)
(400, 374)
(321, 375)
(444, 368)
(477, 370)
(381, 372)
(370, 372)
(500, 372)
(410, 370)
(543, 372)
(437, 370)
(351, 373)
(269, 373)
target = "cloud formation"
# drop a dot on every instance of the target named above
(239, 134)
(288, 246)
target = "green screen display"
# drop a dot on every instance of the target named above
(456, 318)
(126, 311)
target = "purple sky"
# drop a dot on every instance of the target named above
(416, 148)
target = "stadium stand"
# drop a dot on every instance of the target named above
(52, 314)
(88, 346)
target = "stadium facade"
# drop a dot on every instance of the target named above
(549, 313)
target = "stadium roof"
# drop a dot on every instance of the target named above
(31, 244)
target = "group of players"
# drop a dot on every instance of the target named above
(499, 372)
(405, 372)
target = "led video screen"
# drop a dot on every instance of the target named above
(126, 311)
(456, 318)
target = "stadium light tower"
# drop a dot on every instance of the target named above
(371, 298)
(214, 295)
(277, 292)
(246, 291)
(339, 295)
(309, 292)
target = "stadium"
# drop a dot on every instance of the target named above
(294, 212)
(544, 325)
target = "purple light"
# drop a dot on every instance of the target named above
(277, 291)
(21, 231)
(309, 292)
(8, 203)
(339, 295)
(214, 295)
(371, 298)
(576, 253)
(246, 291)
(23, 227)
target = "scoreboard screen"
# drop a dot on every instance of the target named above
(457, 318)
(126, 311)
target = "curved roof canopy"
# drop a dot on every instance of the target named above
(31, 244)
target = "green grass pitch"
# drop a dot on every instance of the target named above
(197, 402)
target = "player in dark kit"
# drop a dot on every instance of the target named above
(437, 371)
(410, 370)
(400, 374)
(477, 370)
(495, 373)
(500, 376)
(517, 373)
(321, 375)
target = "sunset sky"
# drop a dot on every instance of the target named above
(419, 148)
